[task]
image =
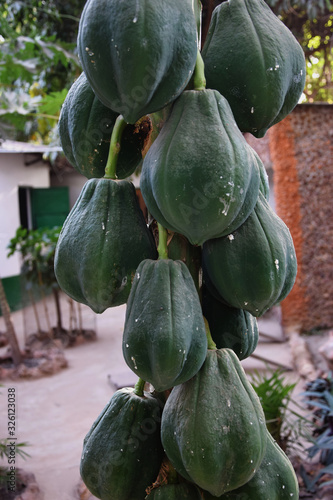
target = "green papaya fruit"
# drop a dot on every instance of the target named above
(103, 240)
(213, 427)
(230, 327)
(274, 480)
(122, 452)
(200, 178)
(164, 340)
(138, 56)
(254, 267)
(255, 62)
(264, 182)
(85, 127)
(181, 491)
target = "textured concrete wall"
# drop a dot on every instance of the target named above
(301, 149)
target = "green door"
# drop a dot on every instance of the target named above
(49, 206)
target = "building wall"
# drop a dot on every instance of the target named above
(13, 173)
(73, 180)
(301, 148)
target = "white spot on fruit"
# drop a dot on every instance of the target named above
(134, 362)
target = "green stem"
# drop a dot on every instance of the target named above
(199, 79)
(139, 387)
(211, 343)
(43, 115)
(111, 165)
(162, 242)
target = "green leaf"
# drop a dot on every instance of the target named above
(52, 102)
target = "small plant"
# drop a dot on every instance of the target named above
(275, 395)
(37, 248)
(18, 447)
(319, 398)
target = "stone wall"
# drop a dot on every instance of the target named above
(301, 150)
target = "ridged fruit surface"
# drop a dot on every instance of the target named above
(255, 61)
(213, 427)
(85, 127)
(138, 56)
(274, 480)
(103, 240)
(230, 327)
(164, 340)
(264, 181)
(200, 178)
(122, 452)
(254, 267)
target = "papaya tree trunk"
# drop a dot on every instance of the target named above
(72, 317)
(11, 335)
(207, 10)
(80, 318)
(46, 309)
(32, 300)
(58, 308)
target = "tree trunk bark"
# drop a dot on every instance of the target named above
(58, 309)
(207, 10)
(32, 300)
(46, 309)
(11, 335)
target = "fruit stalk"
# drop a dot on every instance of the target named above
(139, 387)
(199, 79)
(111, 165)
(162, 242)
(211, 343)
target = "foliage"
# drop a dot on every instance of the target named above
(319, 398)
(38, 63)
(37, 248)
(275, 395)
(38, 59)
(3, 454)
(311, 21)
(313, 8)
(44, 18)
(18, 447)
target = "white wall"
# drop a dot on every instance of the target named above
(75, 182)
(13, 173)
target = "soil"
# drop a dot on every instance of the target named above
(312, 469)
(26, 488)
(34, 365)
(64, 338)
(43, 353)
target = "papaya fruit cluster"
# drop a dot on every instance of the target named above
(149, 97)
